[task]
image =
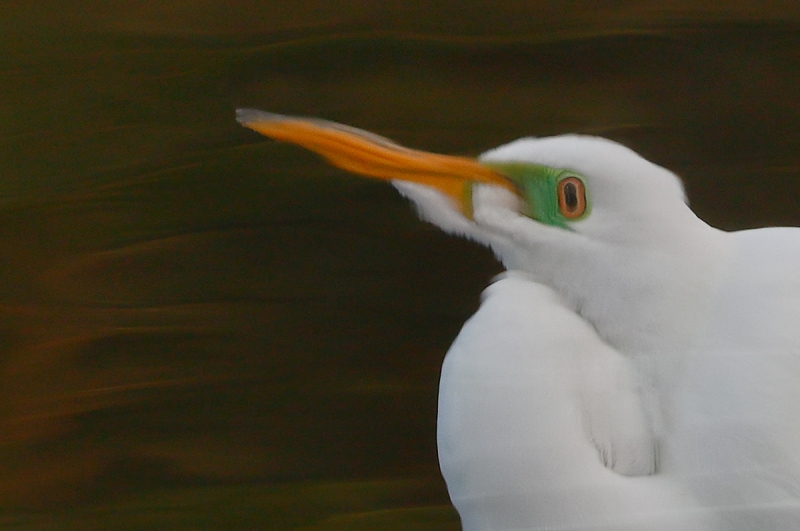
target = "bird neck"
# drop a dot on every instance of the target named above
(640, 299)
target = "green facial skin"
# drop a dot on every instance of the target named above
(539, 188)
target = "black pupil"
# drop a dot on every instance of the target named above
(571, 196)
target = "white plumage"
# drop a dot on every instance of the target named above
(528, 395)
(635, 368)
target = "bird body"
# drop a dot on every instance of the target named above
(635, 368)
(737, 430)
(538, 406)
(523, 411)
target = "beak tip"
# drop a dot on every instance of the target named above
(250, 116)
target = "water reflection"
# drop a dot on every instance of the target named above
(200, 329)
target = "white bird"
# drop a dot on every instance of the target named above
(634, 368)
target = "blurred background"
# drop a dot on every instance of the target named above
(203, 329)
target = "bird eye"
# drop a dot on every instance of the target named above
(571, 197)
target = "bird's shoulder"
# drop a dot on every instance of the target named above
(524, 339)
(779, 240)
(519, 285)
(762, 277)
(516, 302)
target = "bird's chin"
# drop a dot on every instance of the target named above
(437, 208)
(494, 197)
(499, 212)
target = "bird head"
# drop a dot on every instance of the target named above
(608, 230)
(565, 192)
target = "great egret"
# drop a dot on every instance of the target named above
(635, 368)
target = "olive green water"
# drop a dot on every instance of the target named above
(202, 329)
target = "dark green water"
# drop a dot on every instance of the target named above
(201, 329)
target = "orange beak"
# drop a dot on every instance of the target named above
(371, 155)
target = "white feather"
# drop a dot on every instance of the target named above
(638, 342)
(524, 418)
